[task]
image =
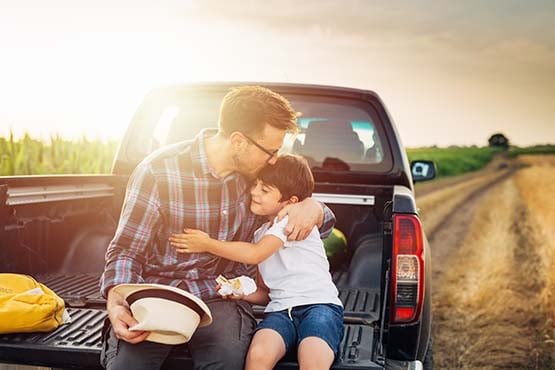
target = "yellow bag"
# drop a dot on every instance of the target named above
(27, 305)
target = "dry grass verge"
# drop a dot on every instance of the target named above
(536, 185)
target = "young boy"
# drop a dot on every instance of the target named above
(303, 308)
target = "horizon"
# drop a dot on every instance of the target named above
(449, 73)
(56, 135)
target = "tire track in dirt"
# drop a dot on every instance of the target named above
(457, 222)
(445, 237)
(498, 163)
(437, 206)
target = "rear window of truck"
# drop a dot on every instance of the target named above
(335, 134)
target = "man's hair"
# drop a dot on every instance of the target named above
(291, 175)
(248, 108)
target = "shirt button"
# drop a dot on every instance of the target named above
(224, 212)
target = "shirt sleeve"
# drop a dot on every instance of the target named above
(328, 223)
(138, 223)
(277, 229)
(325, 230)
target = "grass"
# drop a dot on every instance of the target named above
(537, 149)
(454, 161)
(541, 206)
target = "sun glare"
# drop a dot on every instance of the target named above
(86, 84)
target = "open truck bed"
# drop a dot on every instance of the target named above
(78, 344)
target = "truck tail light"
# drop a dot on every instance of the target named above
(408, 269)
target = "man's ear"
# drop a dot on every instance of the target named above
(237, 140)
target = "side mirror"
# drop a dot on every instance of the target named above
(422, 170)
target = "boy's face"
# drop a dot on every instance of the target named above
(265, 199)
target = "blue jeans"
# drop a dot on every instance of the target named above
(324, 321)
(221, 345)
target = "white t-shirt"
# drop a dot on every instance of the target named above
(298, 273)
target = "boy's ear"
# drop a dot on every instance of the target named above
(293, 199)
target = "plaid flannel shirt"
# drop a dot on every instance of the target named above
(172, 189)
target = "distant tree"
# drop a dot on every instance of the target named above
(498, 140)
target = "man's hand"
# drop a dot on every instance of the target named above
(303, 216)
(121, 319)
(193, 241)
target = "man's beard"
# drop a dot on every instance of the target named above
(243, 169)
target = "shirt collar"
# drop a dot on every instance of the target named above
(199, 158)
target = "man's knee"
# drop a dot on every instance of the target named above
(145, 355)
(223, 351)
(119, 355)
(224, 344)
(114, 362)
(234, 359)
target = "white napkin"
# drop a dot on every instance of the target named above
(242, 285)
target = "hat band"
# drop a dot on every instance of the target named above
(165, 294)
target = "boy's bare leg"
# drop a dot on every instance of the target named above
(314, 353)
(267, 348)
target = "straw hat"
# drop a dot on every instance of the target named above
(170, 314)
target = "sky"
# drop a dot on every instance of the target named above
(449, 72)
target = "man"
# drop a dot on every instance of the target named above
(201, 184)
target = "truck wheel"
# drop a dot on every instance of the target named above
(429, 357)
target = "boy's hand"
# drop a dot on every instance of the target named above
(303, 216)
(232, 296)
(193, 241)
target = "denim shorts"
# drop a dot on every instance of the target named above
(324, 321)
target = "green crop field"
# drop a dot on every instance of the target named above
(538, 149)
(454, 160)
(28, 156)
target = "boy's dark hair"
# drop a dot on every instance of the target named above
(291, 175)
(248, 109)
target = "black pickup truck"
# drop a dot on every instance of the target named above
(57, 228)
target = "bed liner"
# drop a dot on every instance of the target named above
(78, 345)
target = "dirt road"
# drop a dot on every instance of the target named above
(492, 265)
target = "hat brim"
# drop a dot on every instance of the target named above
(126, 290)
